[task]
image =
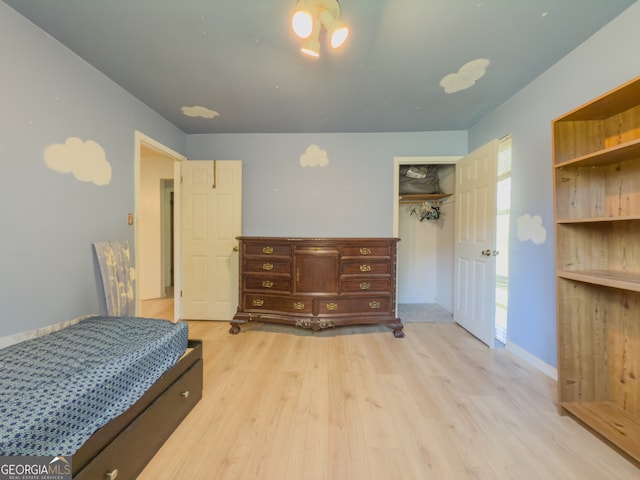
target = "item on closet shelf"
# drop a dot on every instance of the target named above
(419, 179)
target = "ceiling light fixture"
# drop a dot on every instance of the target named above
(311, 16)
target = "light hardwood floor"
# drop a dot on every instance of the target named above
(356, 403)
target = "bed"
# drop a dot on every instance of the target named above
(106, 391)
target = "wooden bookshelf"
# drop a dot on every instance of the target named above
(596, 163)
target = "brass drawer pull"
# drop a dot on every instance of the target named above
(332, 306)
(185, 394)
(365, 251)
(267, 284)
(267, 250)
(112, 475)
(374, 304)
(298, 306)
(365, 268)
(258, 302)
(365, 285)
(267, 266)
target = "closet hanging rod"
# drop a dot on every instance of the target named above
(423, 197)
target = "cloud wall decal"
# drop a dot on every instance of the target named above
(85, 160)
(314, 156)
(530, 228)
(197, 111)
(466, 77)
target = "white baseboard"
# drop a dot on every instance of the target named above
(533, 360)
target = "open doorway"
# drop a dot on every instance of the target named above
(152, 227)
(424, 221)
(157, 225)
(425, 255)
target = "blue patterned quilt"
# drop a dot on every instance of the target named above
(58, 389)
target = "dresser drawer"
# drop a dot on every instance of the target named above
(267, 248)
(267, 265)
(366, 250)
(278, 303)
(366, 284)
(148, 431)
(264, 283)
(353, 305)
(366, 266)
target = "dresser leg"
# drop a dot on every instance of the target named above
(235, 328)
(397, 330)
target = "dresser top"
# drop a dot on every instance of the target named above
(319, 239)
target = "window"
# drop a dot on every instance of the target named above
(502, 236)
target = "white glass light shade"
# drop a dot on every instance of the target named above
(339, 36)
(302, 23)
(337, 30)
(311, 47)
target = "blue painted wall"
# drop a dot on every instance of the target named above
(47, 94)
(49, 219)
(351, 196)
(608, 59)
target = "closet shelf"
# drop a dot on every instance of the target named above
(423, 197)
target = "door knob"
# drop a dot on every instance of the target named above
(489, 253)
(236, 249)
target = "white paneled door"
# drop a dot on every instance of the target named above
(474, 273)
(211, 221)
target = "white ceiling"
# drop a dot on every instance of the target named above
(239, 58)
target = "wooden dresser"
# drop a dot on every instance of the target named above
(318, 283)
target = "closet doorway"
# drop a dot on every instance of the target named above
(425, 224)
(427, 254)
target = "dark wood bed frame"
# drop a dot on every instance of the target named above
(123, 447)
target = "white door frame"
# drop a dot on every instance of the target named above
(142, 139)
